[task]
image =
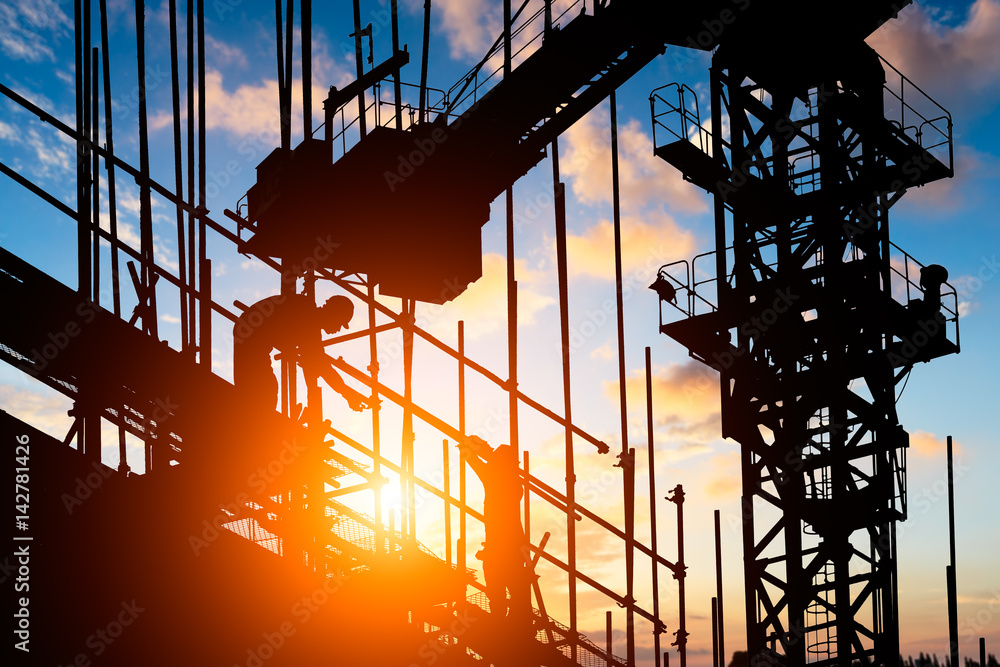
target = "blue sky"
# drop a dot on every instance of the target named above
(951, 50)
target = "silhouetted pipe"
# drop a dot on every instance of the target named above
(286, 113)
(96, 179)
(461, 458)
(715, 633)
(679, 574)
(84, 157)
(178, 169)
(204, 265)
(279, 41)
(608, 637)
(559, 197)
(192, 263)
(83, 241)
(447, 504)
(527, 497)
(205, 315)
(982, 652)
(306, 18)
(652, 509)
(718, 588)
(123, 466)
(627, 458)
(145, 215)
(410, 527)
(423, 61)
(952, 578)
(396, 89)
(373, 369)
(360, 69)
(110, 166)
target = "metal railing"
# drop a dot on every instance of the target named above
(684, 116)
(930, 126)
(906, 270)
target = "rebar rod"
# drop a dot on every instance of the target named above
(305, 11)
(373, 369)
(718, 589)
(627, 458)
(652, 509)
(422, 105)
(559, 196)
(178, 167)
(204, 265)
(95, 172)
(109, 165)
(360, 68)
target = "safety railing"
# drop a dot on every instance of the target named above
(905, 278)
(914, 113)
(682, 121)
(484, 76)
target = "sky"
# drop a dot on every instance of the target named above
(949, 49)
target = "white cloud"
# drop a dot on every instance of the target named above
(29, 27)
(961, 63)
(470, 26)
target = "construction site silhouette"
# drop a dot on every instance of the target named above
(265, 528)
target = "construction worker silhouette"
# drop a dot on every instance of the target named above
(505, 549)
(291, 324)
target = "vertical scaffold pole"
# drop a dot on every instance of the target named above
(360, 69)
(559, 192)
(718, 588)
(627, 458)
(461, 457)
(652, 510)
(306, 20)
(677, 497)
(178, 172)
(373, 370)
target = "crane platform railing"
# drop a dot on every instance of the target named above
(481, 78)
(905, 279)
(918, 116)
(680, 120)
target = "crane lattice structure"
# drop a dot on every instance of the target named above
(814, 318)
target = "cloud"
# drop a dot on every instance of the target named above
(484, 304)
(251, 109)
(927, 445)
(53, 153)
(724, 481)
(644, 178)
(225, 53)
(961, 61)
(648, 241)
(685, 401)
(28, 28)
(470, 26)
(43, 409)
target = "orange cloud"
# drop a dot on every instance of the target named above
(644, 178)
(648, 241)
(484, 304)
(928, 445)
(724, 481)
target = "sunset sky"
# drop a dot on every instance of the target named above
(950, 49)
